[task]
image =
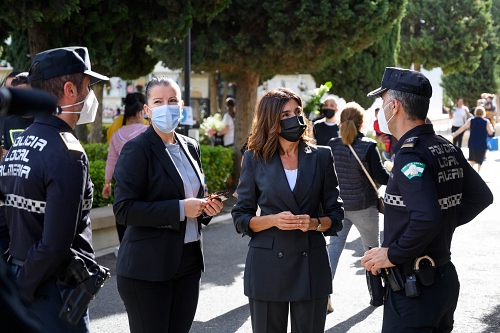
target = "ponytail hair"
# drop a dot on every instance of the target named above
(351, 120)
(134, 103)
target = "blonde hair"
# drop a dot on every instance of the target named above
(479, 111)
(351, 120)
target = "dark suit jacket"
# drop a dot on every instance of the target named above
(288, 265)
(147, 192)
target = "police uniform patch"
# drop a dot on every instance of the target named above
(71, 142)
(410, 142)
(413, 169)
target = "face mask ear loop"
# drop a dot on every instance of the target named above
(390, 118)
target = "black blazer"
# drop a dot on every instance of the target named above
(288, 265)
(147, 192)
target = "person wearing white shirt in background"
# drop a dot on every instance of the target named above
(228, 121)
(458, 118)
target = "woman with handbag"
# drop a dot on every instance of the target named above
(357, 161)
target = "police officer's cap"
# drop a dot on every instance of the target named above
(404, 80)
(64, 61)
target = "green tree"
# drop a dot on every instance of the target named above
(354, 77)
(486, 78)
(444, 33)
(253, 39)
(117, 33)
(17, 54)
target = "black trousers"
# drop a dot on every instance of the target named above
(307, 316)
(165, 306)
(432, 311)
(457, 141)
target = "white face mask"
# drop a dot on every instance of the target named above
(88, 111)
(382, 123)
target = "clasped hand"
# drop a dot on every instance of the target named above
(375, 259)
(288, 221)
(194, 207)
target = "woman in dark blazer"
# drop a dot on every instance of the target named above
(159, 197)
(295, 185)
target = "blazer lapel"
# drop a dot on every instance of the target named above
(158, 148)
(277, 179)
(194, 164)
(306, 172)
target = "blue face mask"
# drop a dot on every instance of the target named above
(166, 117)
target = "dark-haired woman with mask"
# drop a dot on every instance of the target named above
(292, 181)
(159, 196)
(327, 127)
(132, 126)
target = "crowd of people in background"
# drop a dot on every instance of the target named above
(480, 120)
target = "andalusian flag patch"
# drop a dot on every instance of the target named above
(413, 169)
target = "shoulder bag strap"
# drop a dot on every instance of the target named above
(364, 169)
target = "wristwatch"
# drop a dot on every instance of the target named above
(319, 225)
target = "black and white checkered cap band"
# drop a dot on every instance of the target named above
(34, 206)
(445, 203)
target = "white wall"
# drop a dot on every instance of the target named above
(435, 108)
(298, 83)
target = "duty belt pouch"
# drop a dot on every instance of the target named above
(79, 287)
(425, 270)
(394, 278)
(411, 286)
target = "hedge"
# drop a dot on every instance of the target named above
(218, 166)
(217, 162)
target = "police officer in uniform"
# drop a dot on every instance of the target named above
(48, 190)
(432, 190)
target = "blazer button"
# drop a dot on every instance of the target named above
(280, 254)
(304, 253)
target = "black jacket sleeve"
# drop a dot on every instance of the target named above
(476, 196)
(376, 168)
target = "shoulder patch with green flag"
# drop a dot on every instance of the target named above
(413, 169)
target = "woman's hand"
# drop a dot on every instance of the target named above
(306, 223)
(213, 207)
(287, 221)
(193, 207)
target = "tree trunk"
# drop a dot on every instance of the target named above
(416, 67)
(96, 127)
(224, 96)
(213, 91)
(37, 39)
(247, 83)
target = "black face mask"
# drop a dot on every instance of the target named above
(329, 113)
(292, 128)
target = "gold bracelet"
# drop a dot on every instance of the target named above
(107, 184)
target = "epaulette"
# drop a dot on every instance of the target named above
(71, 142)
(410, 142)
